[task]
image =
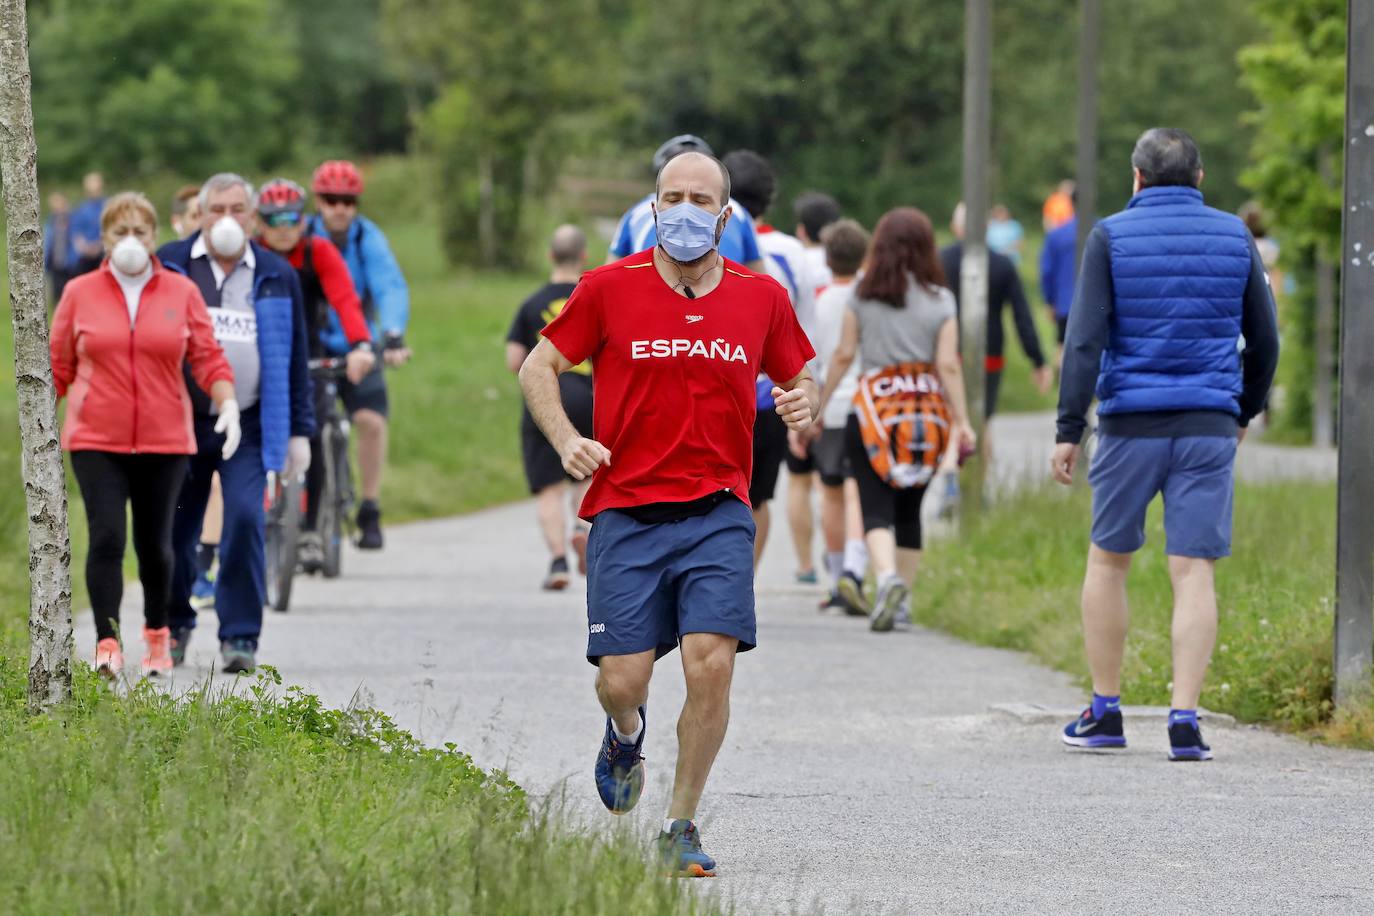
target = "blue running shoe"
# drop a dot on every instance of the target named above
(203, 592)
(1087, 731)
(1185, 742)
(620, 770)
(680, 850)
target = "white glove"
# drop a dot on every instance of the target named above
(228, 423)
(297, 457)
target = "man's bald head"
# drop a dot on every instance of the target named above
(696, 178)
(568, 246)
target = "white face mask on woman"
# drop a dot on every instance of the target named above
(129, 257)
(226, 237)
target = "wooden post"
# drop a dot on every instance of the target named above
(973, 269)
(50, 590)
(1354, 638)
(1090, 15)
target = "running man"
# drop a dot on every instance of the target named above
(544, 471)
(637, 230)
(1168, 290)
(677, 336)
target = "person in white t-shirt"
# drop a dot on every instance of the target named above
(814, 211)
(753, 183)
(845, 243)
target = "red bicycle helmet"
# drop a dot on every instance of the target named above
(337, 176)
(281, 195)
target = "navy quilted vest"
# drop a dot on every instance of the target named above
(1179, 272)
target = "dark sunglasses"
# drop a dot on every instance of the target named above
(337, 200)
(282, 218)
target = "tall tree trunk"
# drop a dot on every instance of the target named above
(486, 206)
(50, 554)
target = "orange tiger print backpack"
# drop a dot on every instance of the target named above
(904, 421)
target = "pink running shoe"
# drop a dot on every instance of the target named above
(109, 658)
(158, 661)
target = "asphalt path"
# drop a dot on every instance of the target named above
(864, 773)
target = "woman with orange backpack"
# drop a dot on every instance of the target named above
(910, 417)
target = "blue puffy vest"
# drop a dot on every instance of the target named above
(1179, 272)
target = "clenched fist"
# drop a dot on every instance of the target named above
(794, 407)
(581, 457)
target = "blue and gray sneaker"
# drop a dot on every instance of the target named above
(203, 591)
(1185, 742)
(1089, 731)
(679, 848)
(620, 769)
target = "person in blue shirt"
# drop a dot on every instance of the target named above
(85, 225)
(1005, 235)
(1058, 273)
(636, 231)
(337, 185)
(59, 254)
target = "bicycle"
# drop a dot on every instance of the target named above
(283, 505)
(336, 497)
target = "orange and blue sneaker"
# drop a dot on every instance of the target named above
(679, 847)
(109, 658)
(620, 769)
(1091, 732)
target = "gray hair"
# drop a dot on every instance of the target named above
(223, 181)
(1167, 156)
(568, 245)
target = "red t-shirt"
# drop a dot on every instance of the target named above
(674, 377)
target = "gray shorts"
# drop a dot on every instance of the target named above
(832, 461)
(1194, 473)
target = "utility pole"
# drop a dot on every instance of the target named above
(1089, 28)
(45, 485)
(1354, 642)
(973, 270)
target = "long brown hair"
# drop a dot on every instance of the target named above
(903, 247)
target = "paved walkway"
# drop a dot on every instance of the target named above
(862, 773)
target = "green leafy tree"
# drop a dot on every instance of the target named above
(141, 86)
(1297, 74)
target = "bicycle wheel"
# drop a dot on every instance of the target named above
(329, 521)
(283, 529)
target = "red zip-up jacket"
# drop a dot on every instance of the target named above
(336, 283)
(123, 383)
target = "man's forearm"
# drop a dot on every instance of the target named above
(813, 394)
(539, 383)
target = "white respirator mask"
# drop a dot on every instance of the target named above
(129, 257)
(227, 237)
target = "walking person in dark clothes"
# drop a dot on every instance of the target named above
(119, 338)
(552, 486)
(1168, 290)
(1004, 288)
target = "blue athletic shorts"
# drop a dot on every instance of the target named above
(1196, 476)
(648, 585)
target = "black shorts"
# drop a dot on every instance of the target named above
(992, 389)
(543, 466)
(883, 506)
(801, 466)
(369, 394)
(831, 459)
(1061, 325)
(770, 447)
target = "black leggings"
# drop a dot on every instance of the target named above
(150, 483)
(883, 506)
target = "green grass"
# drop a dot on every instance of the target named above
(1013, 581)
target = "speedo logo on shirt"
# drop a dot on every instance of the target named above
(681, 346)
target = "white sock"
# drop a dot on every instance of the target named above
(856, 557)
(628, 739)
(669, 821)
(834, 564)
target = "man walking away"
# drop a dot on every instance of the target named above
(1058, 273)
(59, 254)
(544, 471)
(1168, 289)
(678, 335)
(753, 183)
(90, 251)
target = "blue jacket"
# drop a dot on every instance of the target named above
(378, 279)
(1179, 271)
(286, 395)
(1059, 267)
(85, 225)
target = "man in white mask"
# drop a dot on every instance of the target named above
(257, 308)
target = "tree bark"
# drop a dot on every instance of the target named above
(50, 591)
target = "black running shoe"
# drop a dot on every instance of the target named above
(181, 638)
(1091, 732)
(369, 526)
(1185, 742)
(240, 656)
(558, 577)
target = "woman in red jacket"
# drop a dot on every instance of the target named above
(119, 338)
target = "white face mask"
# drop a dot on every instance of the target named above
(129, 257)
(226, 237)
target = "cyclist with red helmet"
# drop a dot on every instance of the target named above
(328, 290)
(337, 185)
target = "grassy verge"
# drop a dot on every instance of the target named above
(1014, 580)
